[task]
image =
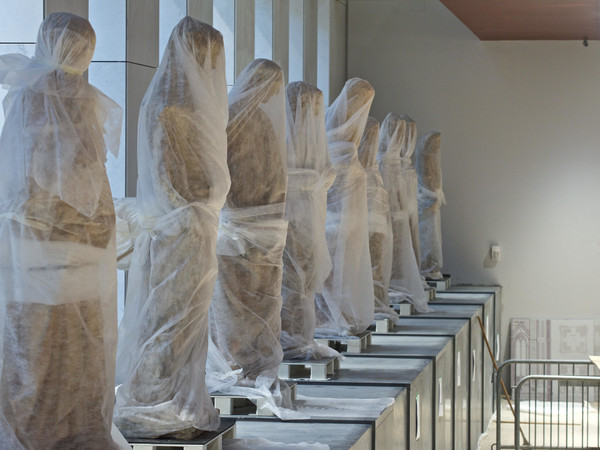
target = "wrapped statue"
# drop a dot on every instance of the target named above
(245, 315)
(306, 261)
(431, 198)
(380, 222)
(398, 175)
(345, 307)
(410, 175)
(182, 183)
(58, 279)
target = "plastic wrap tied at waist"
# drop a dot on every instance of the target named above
(27, 221)
(42, 267)
(317, 184)
(342, 153)
(430, 199)
(405, 162)
(255, 226)
(131, 225)
(310, 180)
(379, 206)
(350, 173)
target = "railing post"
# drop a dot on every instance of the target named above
(517, 427)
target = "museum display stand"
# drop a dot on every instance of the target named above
(439, 349)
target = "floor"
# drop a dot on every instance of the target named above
(576, 427)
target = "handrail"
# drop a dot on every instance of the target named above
(528, 378)
(513, 362)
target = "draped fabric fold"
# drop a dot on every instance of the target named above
(245, 314)
(182, 183)
(306, 261)
(431, 199)
(345, 307)
(58, 286)
(380, 222)
(399, 179)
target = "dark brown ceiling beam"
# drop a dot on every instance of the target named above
(529, 19)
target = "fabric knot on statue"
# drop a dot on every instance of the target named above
(55, 65)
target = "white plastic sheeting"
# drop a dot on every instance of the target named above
(245, 314)
(410, 175)
(346, 305)
(398, 177)
(182, 184)
(380, 222)
(58, 280)
(431, 198)
(306, 261)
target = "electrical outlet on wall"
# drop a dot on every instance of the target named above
(495, 252)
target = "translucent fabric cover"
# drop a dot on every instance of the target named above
(182, 183)
(345, 307)
(431, 197)
(398, 177)
(410, 175)
(129, 227)
(58, 296)
(245, 316)
(380, 222)
(306, 261)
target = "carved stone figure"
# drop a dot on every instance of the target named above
(58, 281)
(431, 198)
(399, 179)
(182, 184)
(345, 306)
(246, 308)
(306, 261)
(380, 221)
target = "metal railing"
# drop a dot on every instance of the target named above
(555, 402)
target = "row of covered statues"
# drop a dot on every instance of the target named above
(261, 220)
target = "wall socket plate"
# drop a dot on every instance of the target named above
(495, 253)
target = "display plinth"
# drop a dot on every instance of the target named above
(441, 285)
(318, 369)
(209, 440)
(229, 405)
(403, 309)
(348, 344)
(382, 326)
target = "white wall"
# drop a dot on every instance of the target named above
(520, 124)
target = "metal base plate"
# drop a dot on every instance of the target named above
(404, 309)
(318, 369)
(230, 405)
(383, 326)
(431, 292)
(209, 440)
(440, 285)
(348, 344)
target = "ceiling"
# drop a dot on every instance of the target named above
(494, 20)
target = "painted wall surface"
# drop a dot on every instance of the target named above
(520, 124)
